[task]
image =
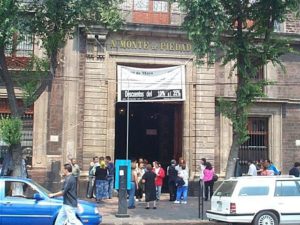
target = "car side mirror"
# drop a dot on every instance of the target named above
(37, 197)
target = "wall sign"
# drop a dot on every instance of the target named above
(159, 84)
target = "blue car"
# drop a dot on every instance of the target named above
(25, 202)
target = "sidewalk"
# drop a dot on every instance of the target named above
(166, 213)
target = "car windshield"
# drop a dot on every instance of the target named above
(40, 187)
(226, 188)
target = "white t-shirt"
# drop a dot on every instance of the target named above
(252, 170)
(184, 174)
(201, 168)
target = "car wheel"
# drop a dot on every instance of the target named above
(265, 218)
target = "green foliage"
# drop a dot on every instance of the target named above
(8, 22)
(31, 77)
(10, 130)
(243, 31)
(52, 21)
(105, 12)
(55, 20)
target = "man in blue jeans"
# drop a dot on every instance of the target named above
(182, 189)
(67, 213)
(110, 176)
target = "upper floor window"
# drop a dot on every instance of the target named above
(141, 5)
(259, 76)
(20, 47)
(160, 6)
(278, 27)
(151, 12)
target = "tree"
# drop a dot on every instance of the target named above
(244, 32)
(51, 21)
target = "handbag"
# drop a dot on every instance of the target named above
(179, 182)
(215, 177)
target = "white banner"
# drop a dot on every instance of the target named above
(159, 84)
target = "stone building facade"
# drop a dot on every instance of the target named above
(81, 117)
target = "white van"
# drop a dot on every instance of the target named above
(260, 200)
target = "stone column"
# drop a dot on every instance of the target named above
(204, 127)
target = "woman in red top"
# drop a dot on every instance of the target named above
(160, 174)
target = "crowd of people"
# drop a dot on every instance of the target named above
(267, 168)
(147, 179)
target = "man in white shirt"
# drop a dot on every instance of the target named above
(252, 171)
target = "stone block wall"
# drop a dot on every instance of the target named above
(290, 133)
(286, 84)
(292, 24)
(95, 111)
(204, 116)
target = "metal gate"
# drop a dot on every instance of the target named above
(256, 148)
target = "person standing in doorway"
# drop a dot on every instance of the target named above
(172, 176)
(67, 213)
(110, 177)
(150, 191)
(160, 175)
(182, 191)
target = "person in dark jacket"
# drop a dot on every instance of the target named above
(150, 190)
(295, 170)
(172, 176)
(101, 182)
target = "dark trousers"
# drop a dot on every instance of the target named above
(139, 192)
(209, 185)
(172, 190)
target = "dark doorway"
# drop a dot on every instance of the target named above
(155, 131)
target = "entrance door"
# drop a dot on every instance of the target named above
(155, 131)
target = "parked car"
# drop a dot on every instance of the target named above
(260, 200)
(25, 202)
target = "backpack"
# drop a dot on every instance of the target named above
(215, 177)
(179, 182)
(172, 172)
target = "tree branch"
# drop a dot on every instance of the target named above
(16, 111)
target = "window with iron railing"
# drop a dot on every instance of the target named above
(259, 76)
(20, 46)
(256, 147)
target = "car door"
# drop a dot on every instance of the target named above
(287, 193)
(19, 207)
